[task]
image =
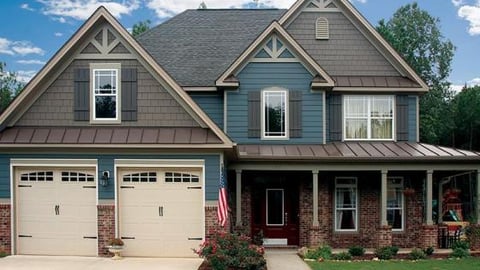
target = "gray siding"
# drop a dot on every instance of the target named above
(155, 105)
(258, 76)
(211, 104)
(412, 118)
(347, 52)
(106, 162)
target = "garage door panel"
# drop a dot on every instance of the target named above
(55, 214)
(161, 215)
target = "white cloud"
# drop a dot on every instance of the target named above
(25, 75)
(82, 9)
(457, 2)
(167, 8)
(59, 19)
(18, 47)
(458, 87)
(58, 34)
(360, 1)
(26, 6)
(471, 13)
(31, 62)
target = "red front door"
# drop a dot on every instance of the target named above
(275, 211)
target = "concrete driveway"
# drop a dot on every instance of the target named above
(22, 262)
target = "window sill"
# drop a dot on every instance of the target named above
(105, 122)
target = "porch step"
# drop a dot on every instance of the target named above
(282, 247)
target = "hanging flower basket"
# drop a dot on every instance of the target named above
(409, 192)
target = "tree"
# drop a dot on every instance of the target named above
(416, 36)
(9, 86)
(466, 108)
(202, 5)
(140, 27)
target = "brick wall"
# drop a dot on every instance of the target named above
(106, 228)
(211, 220)
(429, 236)
(5, 228)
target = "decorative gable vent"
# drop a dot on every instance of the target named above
(321, 29)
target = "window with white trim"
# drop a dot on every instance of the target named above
(145, 177)
(395, 199)
(346, 213)
(37, 176)
(77, 177)
(177, 177)
(368, 117)
(105, 94)
(274, 114)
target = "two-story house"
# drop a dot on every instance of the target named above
(309, 111)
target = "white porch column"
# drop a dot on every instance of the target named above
(238, 198)
(429, 220)
(315, 198)
(478, 197)
(383, 197)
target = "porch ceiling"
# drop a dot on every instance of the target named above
(356, 151)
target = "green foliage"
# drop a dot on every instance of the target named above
(466, 115)
(473, 235)
(356, 251)
(416, 36)
(386, 253)
(324, 252)
(202, 5)
(417, 254)
(3, 254)
(140, 27)
(342, 256)
(9, 86)
(225, 250)
(429, 250)
(460, 253)
(461, 244)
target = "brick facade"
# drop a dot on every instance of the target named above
(211, 220)
(429, 236)
(106, 228)
(5, 228)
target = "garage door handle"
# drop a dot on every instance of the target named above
(23, 235)
(194, 187)
(57, 210)
(160, 211)
(127, 238)
(24, 185)
(89, 237)
(89, 187)
(127, 187)
(195, 238)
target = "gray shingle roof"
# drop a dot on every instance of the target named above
(196, 46)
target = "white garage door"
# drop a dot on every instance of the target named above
(56, 211)
(161, 211)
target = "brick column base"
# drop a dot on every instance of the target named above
(429, 236)
(384, 236)
(316, 237)
(211, 221)
(5, 228)
(106, 228)
(473, 234)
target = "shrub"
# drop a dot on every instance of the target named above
(394, 250)
(116, 242)
(3, 254)
(226, 250)
(461, 244)
(342, 256)
(417, 254)
(356, 251)
(384, 253)
(324, 252)
(459, 253)
(257, 238)
(429, 250)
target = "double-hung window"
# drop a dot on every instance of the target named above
(346, 213)
(395, 216)
(274, 114)
(105, 93)
(368, 117)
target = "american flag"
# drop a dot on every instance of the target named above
(222, 210)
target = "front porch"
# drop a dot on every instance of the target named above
(343, 205)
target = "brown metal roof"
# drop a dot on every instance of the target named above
(107, 135)
(374, 81)
(355, 151)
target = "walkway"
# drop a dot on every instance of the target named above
(284, 259)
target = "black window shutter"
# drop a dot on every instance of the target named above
(295, 114)
(335, 117)
(81, 94)
(254, 114)
(402, 117)
(129, 94)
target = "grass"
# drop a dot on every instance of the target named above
(431, 264)
(3, 254)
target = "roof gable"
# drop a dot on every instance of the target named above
(274, 44)
(104, 43)
(363, 26)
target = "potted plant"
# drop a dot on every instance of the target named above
(115, 246)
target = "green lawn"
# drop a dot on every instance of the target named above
(433, 264)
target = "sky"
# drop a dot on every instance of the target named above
(31, 31)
